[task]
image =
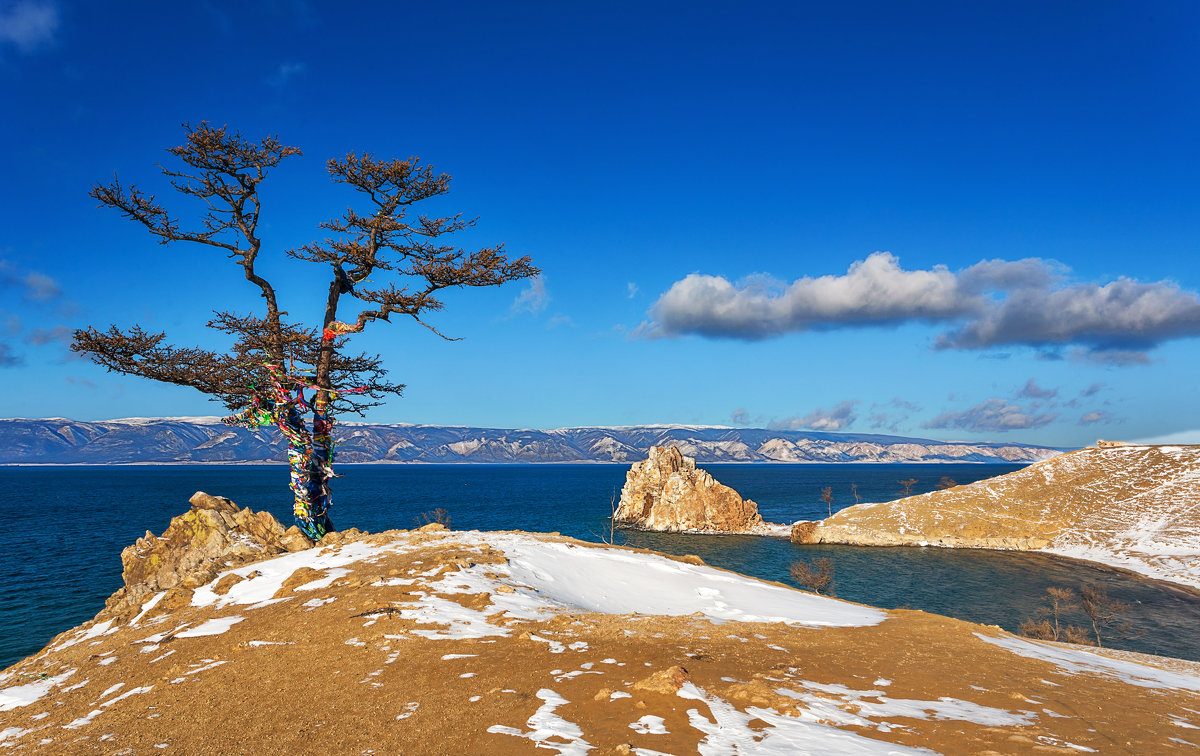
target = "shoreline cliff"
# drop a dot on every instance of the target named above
(434, 641)
(1132, 507)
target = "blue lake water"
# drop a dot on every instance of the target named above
(67, 526)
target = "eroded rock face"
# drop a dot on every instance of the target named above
(1132, 506)
(214, 535)
(667, 492)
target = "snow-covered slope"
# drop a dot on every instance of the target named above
(1136, 507)
(512, 643)
(132, 440)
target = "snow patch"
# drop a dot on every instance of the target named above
(1076, 661)
(546, 724)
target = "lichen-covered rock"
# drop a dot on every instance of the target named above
(667, 492)
(212, 536)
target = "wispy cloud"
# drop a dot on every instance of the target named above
(840, 417)
(889, 415)
(1034, 391)
(1093, 389)
(991, 416)
(28, 25)
(742, 416)
(1110, 357)
(40, 336)
(994, 303)
(559, 319)
(533, 299)
(31, 284)
(632, 289)
(284, 72)
(8, 358)
(1098, 416)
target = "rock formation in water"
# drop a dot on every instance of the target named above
(1130, 506)
(667, 492)
(434, 641)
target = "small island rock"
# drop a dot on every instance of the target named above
(667, 492)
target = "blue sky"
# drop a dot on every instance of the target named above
(951, 220)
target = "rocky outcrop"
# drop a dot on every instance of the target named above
(668, 492)
(1131, 506)
(214, 535)
(437, 642)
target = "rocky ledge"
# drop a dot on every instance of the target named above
(667, 492)
(1129, 506)
(439, 642)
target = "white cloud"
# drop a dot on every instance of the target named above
(632, 288)
(1121, 316)
(991, 416)
(875, 291)
(28, 25)
(533, 299)
(842, 416)
(994, 303)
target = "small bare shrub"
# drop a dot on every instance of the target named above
(1060, 603)
(1076, 634)
(817, 577)
(439, 515)
(1039, 629)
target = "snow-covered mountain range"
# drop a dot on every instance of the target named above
(205, 439)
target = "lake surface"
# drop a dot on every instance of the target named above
(66, 527)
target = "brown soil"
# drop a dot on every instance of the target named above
(349, 676)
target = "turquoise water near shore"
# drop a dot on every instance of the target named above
(67, 526)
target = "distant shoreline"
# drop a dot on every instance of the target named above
(419, 463)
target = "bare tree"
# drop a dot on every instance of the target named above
(1061, 601)
(907, 485)
(946, 482)
(854, 492)
(1106, 614)
(817, 577)
(386, 258)
(827, 497)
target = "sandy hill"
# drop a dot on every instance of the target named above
(1136, 507)
(232, 636)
